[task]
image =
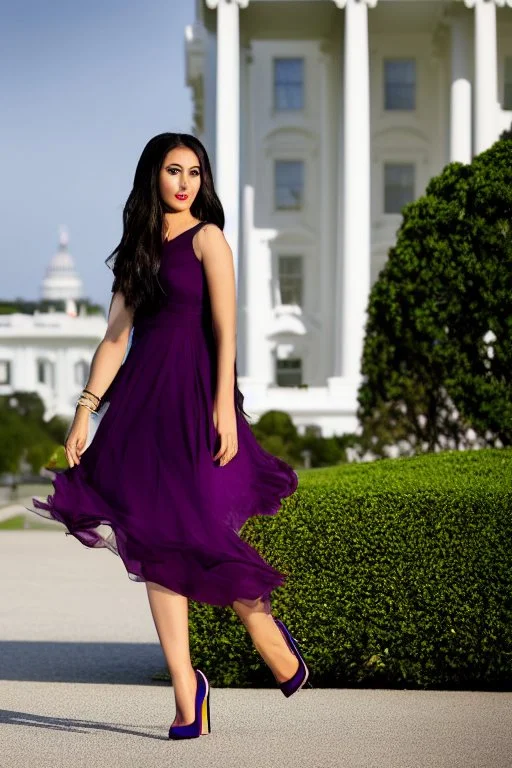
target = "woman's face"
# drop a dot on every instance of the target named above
(180, 175)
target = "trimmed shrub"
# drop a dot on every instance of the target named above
(399, 574)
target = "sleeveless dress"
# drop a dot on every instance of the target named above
(147, 487)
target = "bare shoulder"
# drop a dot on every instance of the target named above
(209, 239)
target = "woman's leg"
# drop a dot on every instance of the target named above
(170, 614)
(267, 638)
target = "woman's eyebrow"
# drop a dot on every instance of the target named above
(180, 166)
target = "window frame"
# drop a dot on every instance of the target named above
(398, 163)
(288, 161)
(385, 83)
(286, 360)
(275, 84)
(8, 367)
(507, 84)
(48, 368)
(300, 276)
(76, 364)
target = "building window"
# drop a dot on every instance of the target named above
(5, 371)
(400, 84)
(289, 84)
(288, 184)
(290, 279)
(289, 372)
(45, 372)
(81, 372)
(398, 186)
(507, 97)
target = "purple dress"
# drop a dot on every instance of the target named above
(147, 486)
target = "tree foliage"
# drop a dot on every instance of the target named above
(277, 434)
(437, 358)
(24, 435)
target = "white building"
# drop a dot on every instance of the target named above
(61, 280)
(50, 352)
(322, 119)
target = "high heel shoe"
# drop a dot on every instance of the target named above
(299, 679)
(201, 724)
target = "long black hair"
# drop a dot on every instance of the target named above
(135, 262)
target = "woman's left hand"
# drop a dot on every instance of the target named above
(224, 420)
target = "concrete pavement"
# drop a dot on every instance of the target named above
(77, 651)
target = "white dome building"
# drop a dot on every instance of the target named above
(50, 352)
(61, 280)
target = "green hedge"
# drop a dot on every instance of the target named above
(400, 574)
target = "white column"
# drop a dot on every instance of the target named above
(326, 237)
(227, 145)
(486, 73)
(259, 371)
(460, 93)
(257, 270)
(356, 189)
(65, 382)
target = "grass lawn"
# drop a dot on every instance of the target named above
(20, 522)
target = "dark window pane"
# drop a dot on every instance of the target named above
(507, 101)
(289, 83)
(289, 372)
(398, 186)
(400, 84)
(289, 184)
(290, 279)
(81, 372)
(45, 372)
(5, 371)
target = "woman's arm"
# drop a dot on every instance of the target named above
(105, 364)
(217, 259)
(109, 355)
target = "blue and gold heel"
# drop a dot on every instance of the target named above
(201, 724)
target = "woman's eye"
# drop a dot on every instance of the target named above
(194, 172)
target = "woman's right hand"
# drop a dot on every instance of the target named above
(77, 436)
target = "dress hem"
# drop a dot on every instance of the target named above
(91, 537)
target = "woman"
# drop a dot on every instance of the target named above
(174, 470)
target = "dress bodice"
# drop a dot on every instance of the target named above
(183, 282)
(181, 273)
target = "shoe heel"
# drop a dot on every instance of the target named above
(201, 723)
(205, 715)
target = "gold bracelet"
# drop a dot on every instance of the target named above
(86, 407)
(86, 397)
(89, 400)
(85, 404)
(88, 391)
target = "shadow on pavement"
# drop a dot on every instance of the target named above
(78, 662)
(72, 724)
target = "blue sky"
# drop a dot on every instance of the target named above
(83, 87)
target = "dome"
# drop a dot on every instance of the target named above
(61, 280)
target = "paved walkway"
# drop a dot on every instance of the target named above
(77, 651)
(15, 509)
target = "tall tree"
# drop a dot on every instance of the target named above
(437, 358)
